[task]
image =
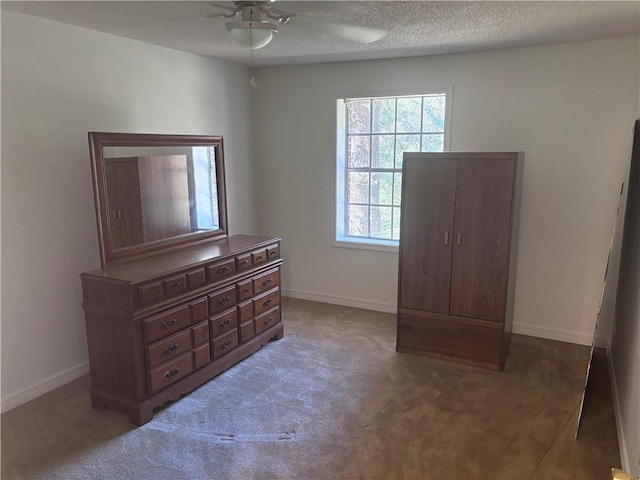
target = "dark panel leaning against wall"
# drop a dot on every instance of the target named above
(625, 344)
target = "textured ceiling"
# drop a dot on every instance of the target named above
(414, 27)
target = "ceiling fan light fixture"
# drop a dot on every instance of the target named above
(254, 34)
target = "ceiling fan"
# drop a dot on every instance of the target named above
(252, 31)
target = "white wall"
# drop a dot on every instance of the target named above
(568, 107)
(58, 82)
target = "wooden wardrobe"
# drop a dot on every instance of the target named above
(458, 255)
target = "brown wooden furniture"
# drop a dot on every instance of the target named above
(161, 326)
(457, 255)
(175, 303)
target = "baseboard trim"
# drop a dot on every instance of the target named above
(553, 334)
(529, 330)
(27, 394)
(624, 452)
(343, 301)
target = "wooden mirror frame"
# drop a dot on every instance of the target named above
(99, 140)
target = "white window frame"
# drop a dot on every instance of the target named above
(340, 239)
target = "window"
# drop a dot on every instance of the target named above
(372, 135)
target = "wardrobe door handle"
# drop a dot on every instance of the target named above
(459, 239)
(446, 238)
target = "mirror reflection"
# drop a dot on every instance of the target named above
(156, 193)
(160, 192)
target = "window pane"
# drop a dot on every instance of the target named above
(409, 114)
(358, 116)
(433, 114)
(433, 142)
(406, 143)
(384, 116)
(397, 188)
(358, 221)
(358, 187)
(358, 152)
(380, 222)
(382, 149)
(381, 188)
(396, 223)
(374, 134)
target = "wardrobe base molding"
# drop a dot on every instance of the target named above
(463, 341)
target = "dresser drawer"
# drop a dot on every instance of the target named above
(221, 270)
(225, 344)
(273, 252)
(201, 355)
(200, 333)
(267, 319)
(247, 331)
(221, 300)
(160, 326)
(151, 292)
(245, 290)
(245, 312)
(259, 256)
(244, 262)
(223, 323)
(170, 372)
(174, 285)
(266, 301)
(196, 278)
(167, 349)
(266, 281)
(198, 310)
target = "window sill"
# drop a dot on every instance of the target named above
(366, 246)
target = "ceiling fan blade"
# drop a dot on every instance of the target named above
(312, 6)
(223, 6)
(355, 33)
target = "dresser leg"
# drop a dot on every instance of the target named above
(141, 416)
(279, 333)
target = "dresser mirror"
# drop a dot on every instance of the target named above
(156, 193)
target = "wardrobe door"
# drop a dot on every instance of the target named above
(164, 192)
(480, 271)
(428, 200)
(123, 192)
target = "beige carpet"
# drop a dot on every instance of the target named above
(333, 400)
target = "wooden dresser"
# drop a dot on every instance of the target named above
(159, 327)
(458, 255)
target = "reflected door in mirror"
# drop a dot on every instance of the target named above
(149, 198)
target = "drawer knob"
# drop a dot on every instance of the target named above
(222, 270)
(267, 302)
(172, 373)
(246, 290)
(170, 323)
(171, 348)
(224, 300)
(177, 284)
(267, 281)
(273, 254)
(267, 321)
(225, 323)
(226, 344)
